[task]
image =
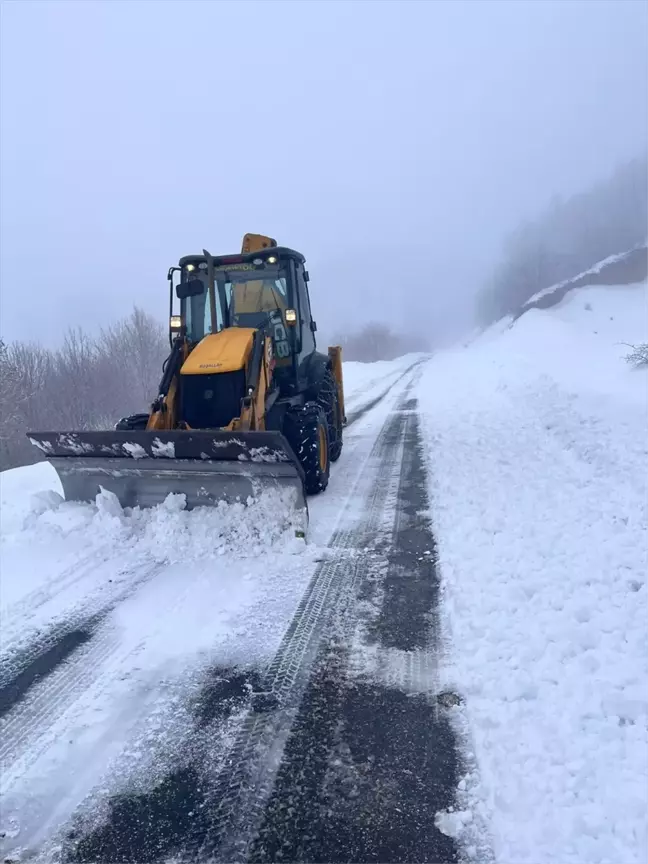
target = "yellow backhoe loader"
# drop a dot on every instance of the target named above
(245, 403)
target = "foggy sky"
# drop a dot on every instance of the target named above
(394, 144)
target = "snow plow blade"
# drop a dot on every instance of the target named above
(141, 468)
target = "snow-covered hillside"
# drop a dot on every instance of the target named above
(536, 437)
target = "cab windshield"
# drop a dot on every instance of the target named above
(244, 298)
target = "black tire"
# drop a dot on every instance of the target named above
(328, 400)
(307, 433)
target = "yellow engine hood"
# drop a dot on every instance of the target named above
(226, 351)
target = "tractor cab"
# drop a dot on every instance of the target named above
(261, 289)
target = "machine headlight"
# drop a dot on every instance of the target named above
(272, 260)
(190, 267)
(291, 316)
(175, 323)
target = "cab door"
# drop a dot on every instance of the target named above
(306, 323)
(305, 334)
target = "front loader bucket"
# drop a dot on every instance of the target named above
(141, 468)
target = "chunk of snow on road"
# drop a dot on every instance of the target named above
(46, 500)
(107, 502)
(536, 440)
(134, 450)
(165, 449)
(452, 823)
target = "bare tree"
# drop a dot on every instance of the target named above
(88, 383)
(131, 353)
(35, 370)
(10, 398)
(75, 379)
(376, 341)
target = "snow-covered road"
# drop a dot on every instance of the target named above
(453, 667)
(120, 630)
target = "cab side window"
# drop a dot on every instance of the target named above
(304, 311)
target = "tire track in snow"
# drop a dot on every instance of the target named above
(25, 666)
(40, 693)
(43, 664)
(44, 706)
(25, 607)
(98, 681)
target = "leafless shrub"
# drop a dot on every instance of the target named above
(88, 383)
(638, 356)
(10, 400)
(377, 341)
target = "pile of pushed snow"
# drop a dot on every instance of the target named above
(17, 488)
(168, 532)
(536, 439)
(44, 538)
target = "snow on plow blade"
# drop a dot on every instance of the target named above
(142, 468)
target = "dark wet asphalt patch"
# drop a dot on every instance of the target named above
(364, 772)
(411, 586)
(226, 690)
(146, 827)
(165, 819)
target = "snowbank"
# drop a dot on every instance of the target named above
(17, 485)
(623, 269)
(536, 438)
